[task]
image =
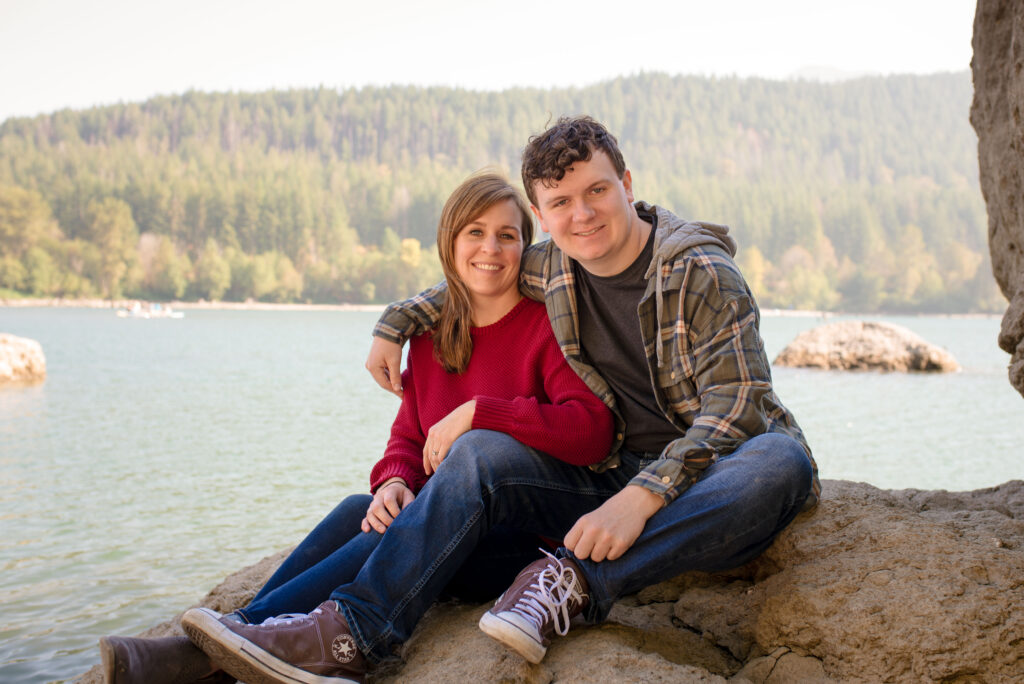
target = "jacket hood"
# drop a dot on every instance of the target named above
(673, 235)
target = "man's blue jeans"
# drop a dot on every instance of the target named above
(489, 480)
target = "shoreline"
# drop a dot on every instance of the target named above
(250, 305)
(201, 305)
(805, 313)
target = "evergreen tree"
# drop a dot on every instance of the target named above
(112, 230)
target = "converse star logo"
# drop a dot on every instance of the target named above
(343, 648)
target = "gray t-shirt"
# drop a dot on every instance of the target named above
(611, 340)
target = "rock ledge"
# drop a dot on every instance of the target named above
(872, 586)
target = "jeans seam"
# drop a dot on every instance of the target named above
(545, 484)
(424, 578)
(357, 633)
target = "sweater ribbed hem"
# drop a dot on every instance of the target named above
(493, 414)
(390, 469)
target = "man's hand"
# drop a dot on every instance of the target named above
(385, 364)
(444, 432)
(388, 502)
(610, 529)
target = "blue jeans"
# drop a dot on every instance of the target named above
(489, 479)
(335, 551)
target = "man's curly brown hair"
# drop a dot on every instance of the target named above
(571, 139)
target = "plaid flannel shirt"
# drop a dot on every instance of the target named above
(705, 356)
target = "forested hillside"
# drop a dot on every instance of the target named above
(858, 196)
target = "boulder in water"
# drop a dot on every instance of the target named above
(865, 345)
(21, 360)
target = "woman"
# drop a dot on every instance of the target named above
(491, 363)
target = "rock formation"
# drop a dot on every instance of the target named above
(871, 586)
(998, 68)
(21, 360)
(860, 345)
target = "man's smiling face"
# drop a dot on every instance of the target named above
(590, 216)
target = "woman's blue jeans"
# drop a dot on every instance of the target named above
(491, 487)
(335, 551)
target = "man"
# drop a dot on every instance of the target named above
(707, 467)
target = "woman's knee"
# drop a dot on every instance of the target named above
(334, 531)
(347, 516)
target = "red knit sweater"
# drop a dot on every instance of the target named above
(522, 386)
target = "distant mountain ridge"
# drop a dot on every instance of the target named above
(860, 194)
(827, 74)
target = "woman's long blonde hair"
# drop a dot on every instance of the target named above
(452, 342)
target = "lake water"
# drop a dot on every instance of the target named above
(161, 455)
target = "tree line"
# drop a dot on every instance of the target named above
(861, 195)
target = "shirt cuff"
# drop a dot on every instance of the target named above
(665, 477)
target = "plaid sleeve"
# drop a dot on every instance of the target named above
(719, 356)
(533, 270)
(401, 320)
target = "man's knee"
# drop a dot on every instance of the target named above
(776, 447)
(482, 454)
(785, 462)
(773, 460)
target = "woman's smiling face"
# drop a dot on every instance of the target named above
(488, 251)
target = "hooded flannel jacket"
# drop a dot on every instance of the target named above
(700, 325)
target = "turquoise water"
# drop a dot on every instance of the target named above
(160, 455)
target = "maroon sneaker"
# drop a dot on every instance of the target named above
(312, 649)
(165, 660)
(542, 600)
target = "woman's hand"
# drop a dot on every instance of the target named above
(444, 432)
(388, 502)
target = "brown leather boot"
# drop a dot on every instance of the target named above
(167, 660)
(317, 648)
(544, 597)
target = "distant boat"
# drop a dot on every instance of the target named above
(155, 310)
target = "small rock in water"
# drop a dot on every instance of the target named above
(21, 360)
(865, 345)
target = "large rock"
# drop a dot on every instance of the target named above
(871, 586)
(21, 360)
(862, 345)
(998, 68)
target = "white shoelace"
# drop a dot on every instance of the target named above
(281, 619)
(286, 618)
(548, 597)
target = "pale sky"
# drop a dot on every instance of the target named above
(81, 53)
